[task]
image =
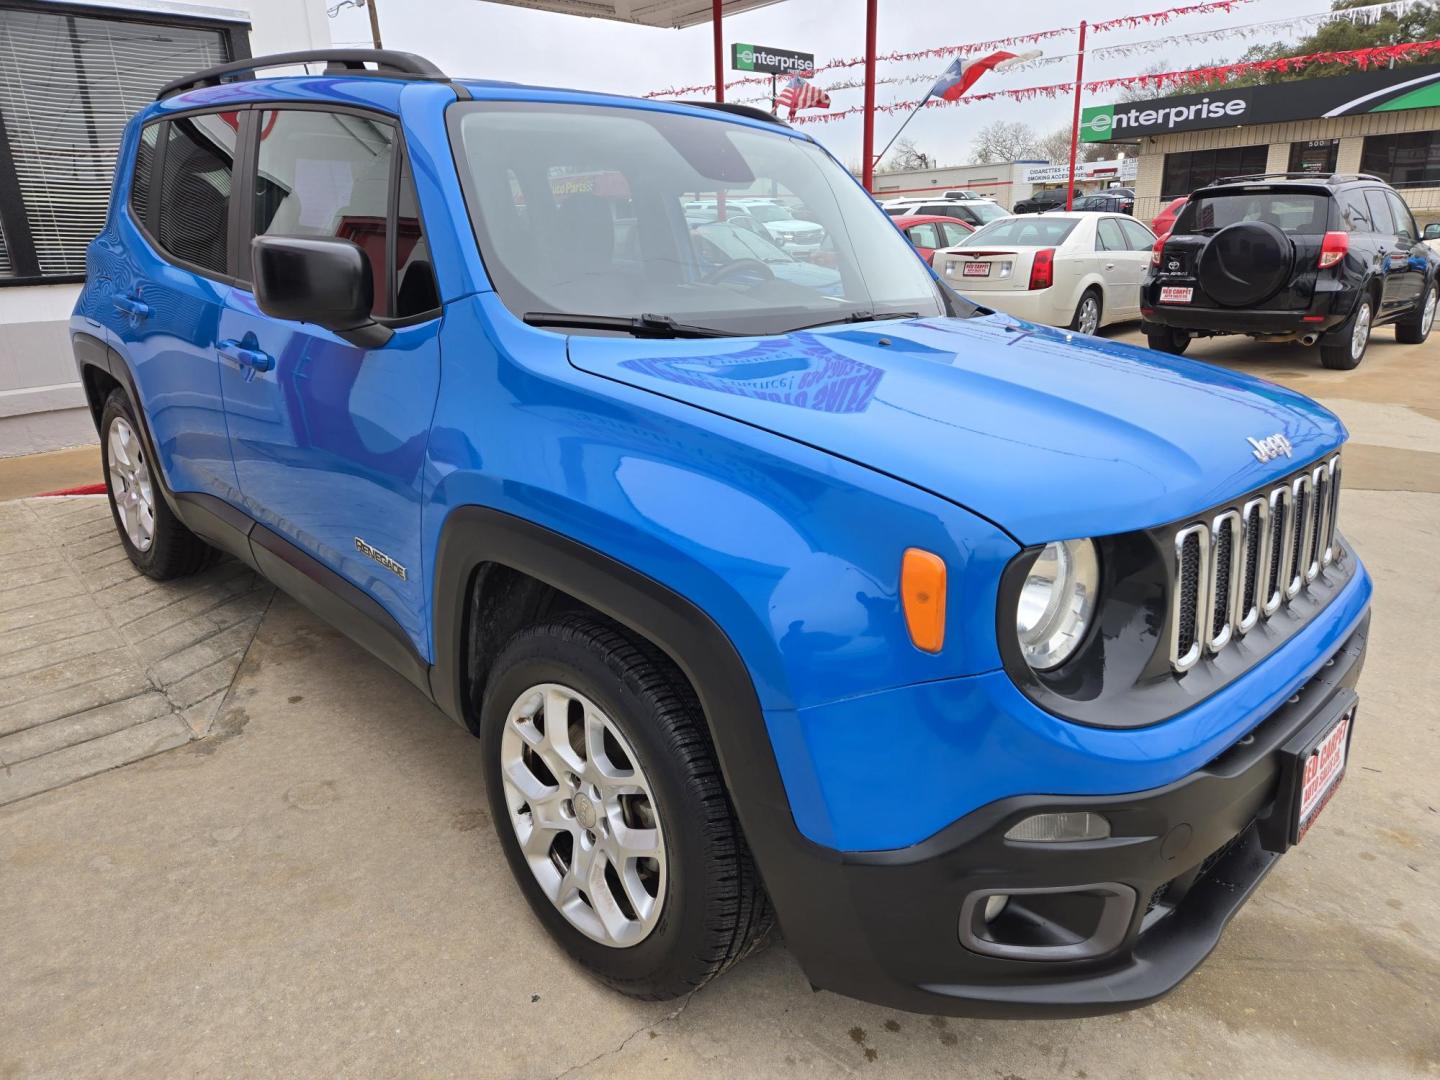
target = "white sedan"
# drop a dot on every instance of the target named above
(1080, 270)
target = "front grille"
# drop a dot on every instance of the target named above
(1249, 560)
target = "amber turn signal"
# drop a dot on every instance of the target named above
(922, 592)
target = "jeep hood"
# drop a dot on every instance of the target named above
(1050, 435)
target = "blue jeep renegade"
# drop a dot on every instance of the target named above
(997, 664)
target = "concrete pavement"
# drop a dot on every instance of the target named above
(315, 887)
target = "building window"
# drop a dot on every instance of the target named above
(1184, 173)
(69, 81)
(1407, 160)
(1314, 155)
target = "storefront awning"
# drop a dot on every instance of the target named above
(671, 13)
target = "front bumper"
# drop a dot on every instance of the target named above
(1188, 854)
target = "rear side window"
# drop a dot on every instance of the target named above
(1036, 231)
(197, 167)
(1355, 212)
(1294, 212)
(954, 234)
(1380, 216)
(925, 236)
(327, 174)
(1109, 237)
(140, 178)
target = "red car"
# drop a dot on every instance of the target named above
(1165, 220)
(930, 232)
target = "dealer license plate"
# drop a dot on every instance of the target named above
(975, 269)
(1175, 294)
(1321, 773)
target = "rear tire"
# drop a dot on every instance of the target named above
(1088, 311)
(1167, 339)
(566, 825)
(1415, 327)
(1343, 348)
(158, 544)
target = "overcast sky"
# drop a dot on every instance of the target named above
(494, 40)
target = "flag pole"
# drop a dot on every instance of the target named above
(923, 102)
(1075, 121)
(867, 138)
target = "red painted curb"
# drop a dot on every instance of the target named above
(84, 489)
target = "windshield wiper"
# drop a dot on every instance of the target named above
(857, 317)
(661, 326)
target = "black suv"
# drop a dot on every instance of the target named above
(1291, 257)
(1040, 201)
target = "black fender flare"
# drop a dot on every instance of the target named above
(474, 536)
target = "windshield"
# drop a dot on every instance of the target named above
(1289, 211)
(583, 209)
(1029, 231)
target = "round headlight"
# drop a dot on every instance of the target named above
(1057, 603)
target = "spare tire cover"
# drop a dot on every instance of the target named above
(1246, 263)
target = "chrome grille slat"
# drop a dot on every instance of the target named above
(1250, 560)
(1224, 579)
(1192, 561)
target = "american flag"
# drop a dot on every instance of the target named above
(799, 94)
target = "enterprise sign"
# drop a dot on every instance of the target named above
(771, 61)
(1305, 99)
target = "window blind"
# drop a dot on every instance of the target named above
(68, 84)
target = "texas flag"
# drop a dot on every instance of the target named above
(962, 73)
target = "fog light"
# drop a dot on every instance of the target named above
(994, 905)
(1060, 828)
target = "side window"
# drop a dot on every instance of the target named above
(1110, 237)
(197, 166)
(925, 236)
(1404, 223)
(328, 174)
(140, 178)
(1355, 212)
(954, 234)
(1139, 237)
(414, 276)
(1380, 216)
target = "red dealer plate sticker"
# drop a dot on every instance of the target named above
(1322, 773)
(1175, 294)
(975, 270)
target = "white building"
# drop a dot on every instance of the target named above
(71, 74)
(1007, 182)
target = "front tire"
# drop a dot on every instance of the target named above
(608, 801)
(1086, 319)
(1415, 327)
(158, 544)
(1343, 348)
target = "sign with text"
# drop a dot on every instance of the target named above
(771, 61)
(1409, 87)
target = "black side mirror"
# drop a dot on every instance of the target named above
(1432, 231)
(323, 281)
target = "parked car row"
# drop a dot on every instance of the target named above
(1318, 259)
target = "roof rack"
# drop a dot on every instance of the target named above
(738, 110)
(388, 62)
(1317, 177)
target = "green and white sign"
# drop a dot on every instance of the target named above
(771, 61)
(1306, 99)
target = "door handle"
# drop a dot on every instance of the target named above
(129, 305)
(1109, 266)
(245, 357)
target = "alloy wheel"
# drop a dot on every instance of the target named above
(1427, 320)
(1089, 319)
(1361, 334)
(584, 814)
(131, 487)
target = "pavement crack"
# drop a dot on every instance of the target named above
(619, 1048)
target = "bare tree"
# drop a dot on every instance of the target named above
(1055, 147)
(1003, 141)
(905, 156)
